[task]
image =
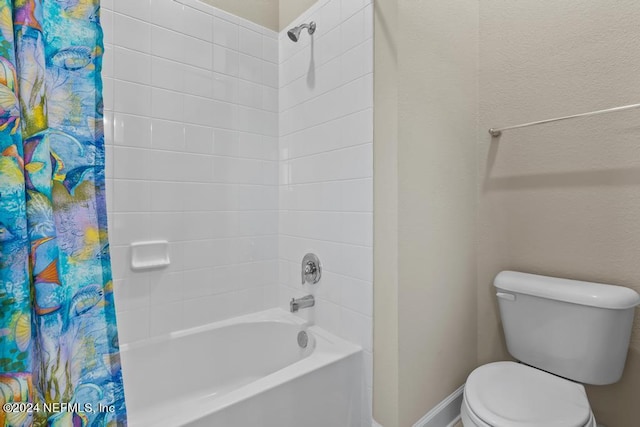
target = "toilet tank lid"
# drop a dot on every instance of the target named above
(566, 290)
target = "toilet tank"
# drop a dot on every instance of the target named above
(577, 330)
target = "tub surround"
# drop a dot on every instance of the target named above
(326, 169)
(191, 102)
(205, 155)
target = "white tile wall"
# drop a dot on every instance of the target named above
(326, 153)
(245, 151)
(191, 124)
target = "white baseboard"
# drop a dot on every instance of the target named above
(455, 421)
(446, 413)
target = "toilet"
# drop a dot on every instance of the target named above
(563, 333)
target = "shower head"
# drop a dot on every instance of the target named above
(294, 33)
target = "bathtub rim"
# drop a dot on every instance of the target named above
(265, 316)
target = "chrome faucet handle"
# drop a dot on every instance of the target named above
(311, 270)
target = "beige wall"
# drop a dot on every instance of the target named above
(437, 118)
(432, 151)
(262, 12)
(561, 199)
(273, 14)
(385, 165)
(291, 9)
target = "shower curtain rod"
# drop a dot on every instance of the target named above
(495, 132)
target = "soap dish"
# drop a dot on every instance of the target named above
(150, 255)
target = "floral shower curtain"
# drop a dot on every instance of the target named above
(59, 357)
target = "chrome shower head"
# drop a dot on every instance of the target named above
(294, 33)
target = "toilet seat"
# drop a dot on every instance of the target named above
(508, 394)
(469, 419)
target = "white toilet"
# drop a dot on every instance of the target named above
(564, 333)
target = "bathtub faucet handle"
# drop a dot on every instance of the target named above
(311, 270)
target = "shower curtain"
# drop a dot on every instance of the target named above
(59, 357)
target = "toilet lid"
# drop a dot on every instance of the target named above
(508, 394)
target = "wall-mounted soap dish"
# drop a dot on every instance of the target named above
(150, 255)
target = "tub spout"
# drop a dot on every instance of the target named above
(303, 302)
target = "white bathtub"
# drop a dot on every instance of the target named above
(246, 371)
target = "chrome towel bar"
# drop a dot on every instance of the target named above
(496, 132)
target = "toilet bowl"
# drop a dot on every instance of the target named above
(509, 394)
